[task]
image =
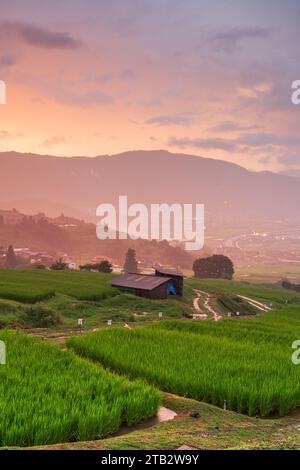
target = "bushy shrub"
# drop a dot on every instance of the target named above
(8, 320)
(40, 316)
(9, 314)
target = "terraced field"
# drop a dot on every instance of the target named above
(49, 396)
(245, 363)
(271, 294)
(35, 285)
(69, 295)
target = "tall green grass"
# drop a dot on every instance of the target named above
(278, 327)
(49, 396)
(36, 285)
(243, 362)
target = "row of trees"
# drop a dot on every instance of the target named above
(130, 265)
(103, 267)
(216, 266)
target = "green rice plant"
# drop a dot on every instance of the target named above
(280, 327)
(49, 396)
(37, 285)
(232, 360)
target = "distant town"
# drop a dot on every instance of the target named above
(40, 241)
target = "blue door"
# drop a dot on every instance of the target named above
(171, 288)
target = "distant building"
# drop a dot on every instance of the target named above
(72, 265)
(151, 286)
(34, 257)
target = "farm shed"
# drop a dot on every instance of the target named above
(177, 278)
(145, 285)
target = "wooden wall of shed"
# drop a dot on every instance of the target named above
(159, 292)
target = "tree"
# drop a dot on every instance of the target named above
(11, 259)
(216, 266)
(87, 267)
(59, 265)
(130, 265)
(105, 267)
(286, 284)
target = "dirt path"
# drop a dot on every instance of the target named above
(164, 414)
(215, 314)
(202, 315)
(196, 305)
(255, 303)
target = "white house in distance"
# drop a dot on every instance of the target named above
(72, 265)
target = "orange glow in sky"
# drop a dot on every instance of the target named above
(97, 77)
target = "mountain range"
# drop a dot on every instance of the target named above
(77, 185)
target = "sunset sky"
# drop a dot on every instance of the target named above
(210, 78)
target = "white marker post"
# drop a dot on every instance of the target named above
(109, 322)
(80, 323)
(160, 315)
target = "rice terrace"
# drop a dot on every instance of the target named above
(149, 232)
(99, 386)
